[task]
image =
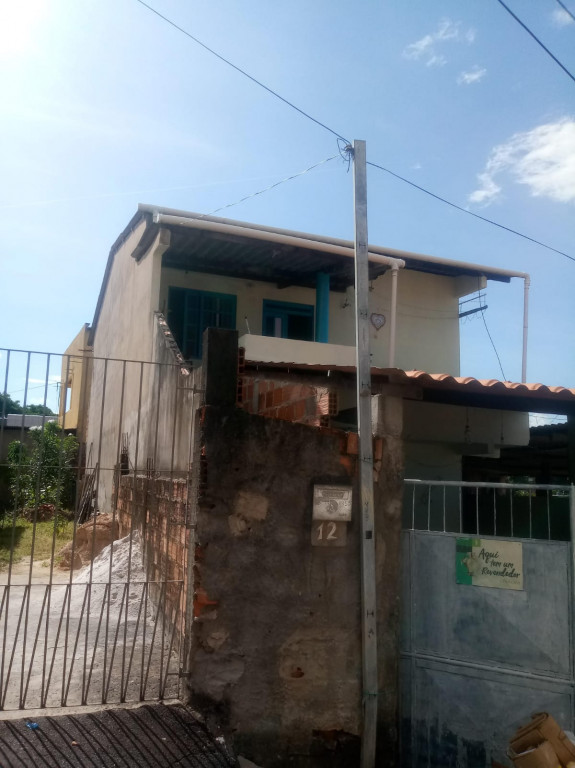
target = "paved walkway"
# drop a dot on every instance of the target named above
(158, 736)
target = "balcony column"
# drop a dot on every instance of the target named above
(322, 307)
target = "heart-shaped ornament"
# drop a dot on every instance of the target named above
(378, 321)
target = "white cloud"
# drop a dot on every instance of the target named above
(436, 61)
(543, 159)
(426, 48)
(561, 18)
(474, 75)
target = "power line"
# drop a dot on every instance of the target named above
(340, 137)
(242, 71)
(537, 40)
(504, 377)
(470, 213)
(566, 9)
(272, 186)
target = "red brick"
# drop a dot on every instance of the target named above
(352, 443)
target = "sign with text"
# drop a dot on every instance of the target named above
(327, 533)
(489, 563)
(332, 502)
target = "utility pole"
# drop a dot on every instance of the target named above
(363, 361)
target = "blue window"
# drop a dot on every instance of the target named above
(191, 312)
(288, 321)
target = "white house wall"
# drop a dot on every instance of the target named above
(427, 317)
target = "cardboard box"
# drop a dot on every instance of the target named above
(543, 727)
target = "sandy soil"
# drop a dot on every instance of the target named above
(99, 638)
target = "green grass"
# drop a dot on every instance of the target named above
(21, 534)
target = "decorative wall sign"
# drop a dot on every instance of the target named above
(378, 321)
(489, 563)
(328, 533)
(332, 502)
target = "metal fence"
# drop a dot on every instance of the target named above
(488, 509)
(476, 660)
(96, 523)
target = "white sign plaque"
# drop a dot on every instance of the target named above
(332, 502)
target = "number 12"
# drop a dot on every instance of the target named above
(330, 530)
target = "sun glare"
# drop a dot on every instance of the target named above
(20, 25)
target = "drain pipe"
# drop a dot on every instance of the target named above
(526, 284)
(392, 320)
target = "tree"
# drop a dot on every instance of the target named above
(44, 472)
(8, 405)
(38, 409)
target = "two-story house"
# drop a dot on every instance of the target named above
(290, 296)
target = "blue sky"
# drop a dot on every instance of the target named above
(104, 106)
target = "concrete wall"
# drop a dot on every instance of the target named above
(148, 406)
(277, 649)
(437, 436)
(427, 327)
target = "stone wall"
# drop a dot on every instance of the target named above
(277, 639)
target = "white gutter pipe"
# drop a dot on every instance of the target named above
(391, 257)
(374, 250)
(273, 237)
(295, 240)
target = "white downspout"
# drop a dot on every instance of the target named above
(526, 284)
(393, 318)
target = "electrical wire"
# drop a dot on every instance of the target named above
(470, 213)
(567, 11)
(537, 40)
(482, 313)
(242, 71)
(272, 186)
(343, 143)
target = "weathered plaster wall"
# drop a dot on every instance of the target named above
(150, 406)
(121, 402)
(427, 322)
(277, 648)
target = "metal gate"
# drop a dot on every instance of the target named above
(477, 661)
(96, 513)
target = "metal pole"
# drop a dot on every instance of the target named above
(368, 594)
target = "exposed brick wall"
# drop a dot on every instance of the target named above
(158, 508)
(301, 403)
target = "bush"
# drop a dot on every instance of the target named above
(44, 473)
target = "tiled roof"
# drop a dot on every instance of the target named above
(492, 384)
(437, 381)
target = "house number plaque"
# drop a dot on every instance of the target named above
(331, 514)
(328, 533)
